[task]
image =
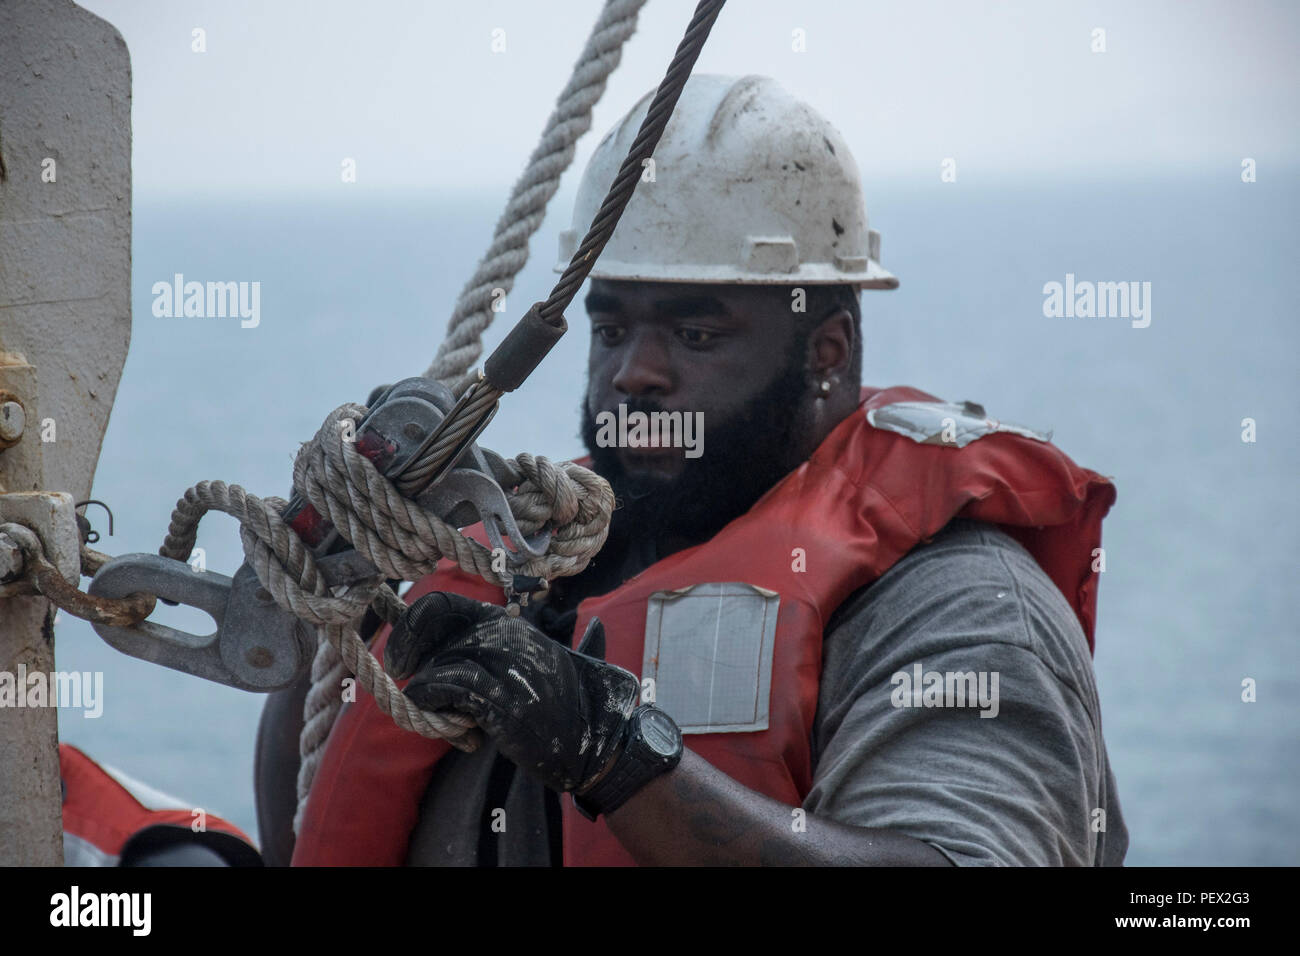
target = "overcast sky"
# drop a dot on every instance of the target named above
(413, 91)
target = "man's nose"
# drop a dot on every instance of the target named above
(645, 368)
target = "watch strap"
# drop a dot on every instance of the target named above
(635, 767)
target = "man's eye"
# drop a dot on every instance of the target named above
(608, 334)
(696, 336)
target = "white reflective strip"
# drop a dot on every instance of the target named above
(79, 852)
(147, 795)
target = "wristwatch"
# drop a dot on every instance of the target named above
(652, 745)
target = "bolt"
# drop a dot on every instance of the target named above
(12, 421)
(11, 559)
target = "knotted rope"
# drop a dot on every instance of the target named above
(565, 496)
(403, 541)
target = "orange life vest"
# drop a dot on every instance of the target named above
(865, 498)
(101, 814)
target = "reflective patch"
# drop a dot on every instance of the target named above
(708, 649)
(945, 423)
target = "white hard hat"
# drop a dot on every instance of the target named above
(750, 186)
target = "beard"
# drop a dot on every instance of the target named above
(745, 455)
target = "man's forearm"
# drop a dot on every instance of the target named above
(695, 815)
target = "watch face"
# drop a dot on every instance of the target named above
(660, 733)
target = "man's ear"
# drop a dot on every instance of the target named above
(830, 347)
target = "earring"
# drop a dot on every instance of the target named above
(824, 388)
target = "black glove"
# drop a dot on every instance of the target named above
(560, 715)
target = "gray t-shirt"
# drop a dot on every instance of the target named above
(1030, 785)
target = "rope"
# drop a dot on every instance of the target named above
(577, 540)
(543, 493)
(399, 537)
(403, 541)
(526, 208)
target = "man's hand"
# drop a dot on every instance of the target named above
(558, 714)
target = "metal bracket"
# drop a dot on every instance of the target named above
(53, 516)
(256, 646)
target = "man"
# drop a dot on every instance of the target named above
(855, 629)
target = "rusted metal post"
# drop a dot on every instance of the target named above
(65, 324)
